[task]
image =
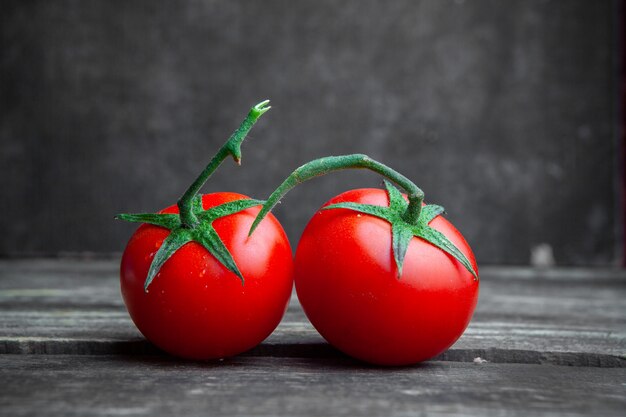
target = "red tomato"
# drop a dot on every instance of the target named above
(348, 285)
(195, 308)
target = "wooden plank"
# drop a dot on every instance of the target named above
(560, 316)
(159, 386)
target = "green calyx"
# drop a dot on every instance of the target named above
(403, 231)
(203, 233)
(408, 219)
(194, 224)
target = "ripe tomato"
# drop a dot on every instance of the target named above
(195, 307)
(349, 288)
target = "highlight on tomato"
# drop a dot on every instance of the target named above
(382, 276)
(193, 282)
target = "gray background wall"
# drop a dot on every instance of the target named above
(503, 112)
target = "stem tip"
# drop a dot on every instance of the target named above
(261, 108)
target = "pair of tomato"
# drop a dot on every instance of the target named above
(379, 283)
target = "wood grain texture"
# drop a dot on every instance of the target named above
(561, 316)
(160, 386)
(67, 347)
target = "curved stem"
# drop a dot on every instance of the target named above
(328, 164)
(231, 147)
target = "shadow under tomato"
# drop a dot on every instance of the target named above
(302, 355)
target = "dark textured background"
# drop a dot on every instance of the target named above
(504, 112)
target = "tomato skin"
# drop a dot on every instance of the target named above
(195, 308)
(347, 283)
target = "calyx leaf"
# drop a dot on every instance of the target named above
(168, 221)
(403, 232)
(204, 233)
(170, 245)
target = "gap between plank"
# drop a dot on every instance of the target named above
(51, 346)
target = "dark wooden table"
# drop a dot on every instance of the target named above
(542, 342)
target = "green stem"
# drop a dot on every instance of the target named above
(328, 164)
(231, 147)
